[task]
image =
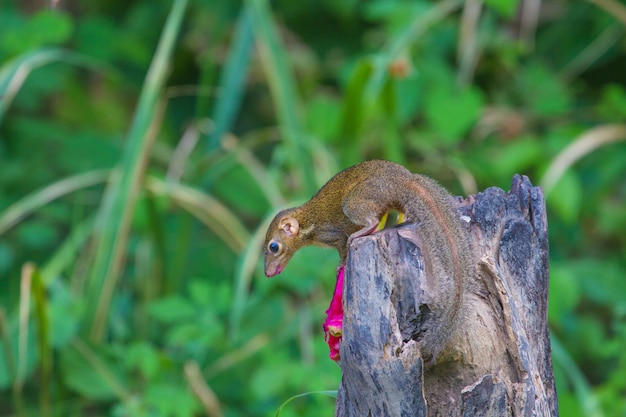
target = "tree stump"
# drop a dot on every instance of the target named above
(502, 361)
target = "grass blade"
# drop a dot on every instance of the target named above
(353, 111)
(421, 23)
(24, 318)
(207, 209)
(332, 394)
(614, 8)
(22, 208)
(119, 203)
(243, 276)
(584, 144)
(202, 390)
(68, 252)
(283, 87)
(392, 149)
(237, 355)
(14, 73)
(232, 80)
(43, 339)
(101, 369)
(582, 388)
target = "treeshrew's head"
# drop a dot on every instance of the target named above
(281, 242)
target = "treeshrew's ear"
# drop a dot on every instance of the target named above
(289, 225)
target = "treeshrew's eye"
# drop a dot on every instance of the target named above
(273, 247)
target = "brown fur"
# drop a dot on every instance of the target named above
(351, 204)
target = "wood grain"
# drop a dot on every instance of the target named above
(498, 361)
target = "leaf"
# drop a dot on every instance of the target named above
(452, 114)
(7, 256)
(602, 282)
(45, 28)
(323, 116)
(96, 30)
(65, 314)
(237, 188)
(563, 283)
(506, 8)
(410, 98)
(37, 234)
(142, 356)
(612, 105)
(91, 373)
(566, 197)
(307, 267)
(49, 27)
(586, 398)
(200, 292)
(544, 93)
(172, 400)
(569, 406)
(171, 309)
(270, 380)
(515, 157)
(197, 335)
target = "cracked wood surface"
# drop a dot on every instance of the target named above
(496, 363)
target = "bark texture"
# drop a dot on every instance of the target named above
(498, 362)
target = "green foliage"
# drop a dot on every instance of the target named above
(443, 102)
(144, 147)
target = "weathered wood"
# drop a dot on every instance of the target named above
(499, 364)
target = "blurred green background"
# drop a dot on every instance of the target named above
(144, 145)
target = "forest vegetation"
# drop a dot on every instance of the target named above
(144, 146)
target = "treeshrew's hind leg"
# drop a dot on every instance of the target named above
(370, 228)
(364, 211)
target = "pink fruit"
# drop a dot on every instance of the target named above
(334, 319)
